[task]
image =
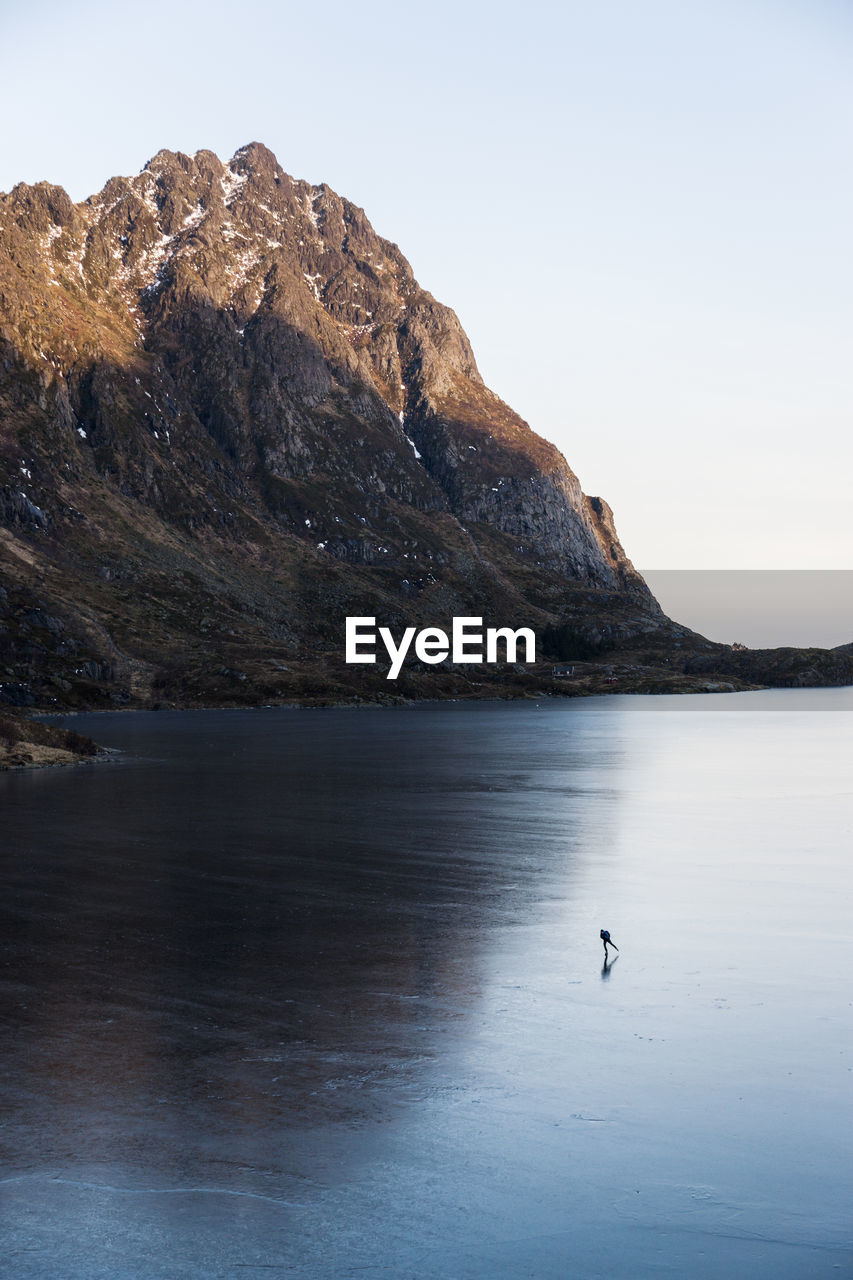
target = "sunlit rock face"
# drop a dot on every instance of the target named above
(229, 415)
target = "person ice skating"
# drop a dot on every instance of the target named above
(605, 938)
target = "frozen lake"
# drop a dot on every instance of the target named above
(320, 994)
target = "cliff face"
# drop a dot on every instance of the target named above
(229, 415)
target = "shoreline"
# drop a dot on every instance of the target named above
(46, 757)
(29, 743)
(47, 715)
(58, 760)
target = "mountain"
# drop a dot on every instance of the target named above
(229, 418)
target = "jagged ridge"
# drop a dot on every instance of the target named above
(213, 370)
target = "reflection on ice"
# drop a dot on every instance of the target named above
(323, 993)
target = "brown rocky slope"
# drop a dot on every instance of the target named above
(229, 417)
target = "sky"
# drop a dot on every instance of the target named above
(641, 213)
(761, 608)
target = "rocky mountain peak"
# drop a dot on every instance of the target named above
(237, 355)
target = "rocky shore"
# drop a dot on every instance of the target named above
(29, 744)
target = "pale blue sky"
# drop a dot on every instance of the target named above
(641, 212)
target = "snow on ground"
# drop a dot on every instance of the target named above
(232, 184)
(193, 219)
(415, 450)
(310, 212)
(241, 268)
(311, 281)
(145, 186)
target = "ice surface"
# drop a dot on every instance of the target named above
(322, 994)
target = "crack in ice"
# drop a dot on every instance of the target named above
(151, 1191)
